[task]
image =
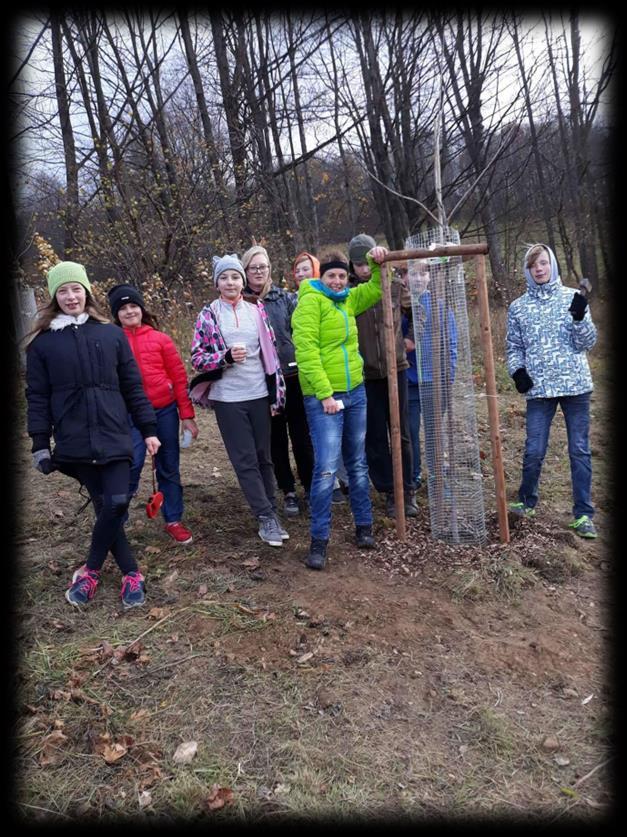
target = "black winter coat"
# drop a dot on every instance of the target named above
(82, 382)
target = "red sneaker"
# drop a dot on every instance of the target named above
(178, 532)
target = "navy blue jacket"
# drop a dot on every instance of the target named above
(82, 382)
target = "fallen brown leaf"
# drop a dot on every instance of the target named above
(151, 773)
(51, 755)
(106, 650)
(76, 679)
(131, 652)
(113, 752)
(218, 798)
(59, 694)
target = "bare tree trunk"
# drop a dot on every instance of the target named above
(98, 131)
(281, 204)
(336, 115)
(235, 132)
(312, 231)
(569, 168)
(394, 214)
(544, 193)
(70, 213)
(585, 237)
(205, 120)
(474, 61)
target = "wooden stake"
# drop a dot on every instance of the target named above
(395, 426)
(493, 409)
(440, 250)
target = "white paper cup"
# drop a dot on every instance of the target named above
(240, 344)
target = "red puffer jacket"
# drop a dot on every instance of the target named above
(163, 373)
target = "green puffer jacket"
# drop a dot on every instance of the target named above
(325, 335)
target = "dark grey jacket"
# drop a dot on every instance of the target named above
(280, 305)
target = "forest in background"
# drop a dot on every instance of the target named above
(146, 141)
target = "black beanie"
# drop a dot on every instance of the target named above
(121, 294)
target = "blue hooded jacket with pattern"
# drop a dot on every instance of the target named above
(543, 338)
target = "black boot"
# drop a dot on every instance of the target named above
(411, 509)
(390, 509)
(317, 557)
(363, 536)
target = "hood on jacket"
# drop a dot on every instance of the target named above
(555, 280)
(315, 263)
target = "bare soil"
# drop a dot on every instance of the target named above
(416, 680)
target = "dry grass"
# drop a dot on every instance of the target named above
(436, 674)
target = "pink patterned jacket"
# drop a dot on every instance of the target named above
(209, 350)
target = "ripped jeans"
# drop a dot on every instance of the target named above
(334, 437)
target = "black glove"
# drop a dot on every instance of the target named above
(522, 380)
(578, 306)
(43, 461)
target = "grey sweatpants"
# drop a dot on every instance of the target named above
(245, 430)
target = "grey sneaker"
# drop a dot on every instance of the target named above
(583, 527)
(521, 510)
(269, 530)
(284, 535)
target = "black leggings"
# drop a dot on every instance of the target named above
(108, 489)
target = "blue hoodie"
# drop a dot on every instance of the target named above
(543, 338)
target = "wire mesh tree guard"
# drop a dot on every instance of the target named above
(447, 398)
(444, 362)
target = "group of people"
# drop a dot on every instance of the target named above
(279, 367)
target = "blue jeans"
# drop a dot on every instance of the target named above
(166, 462)
(432, 419)
(413, 409)
(335, 437)
(540, 412)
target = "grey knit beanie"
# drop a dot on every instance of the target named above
(359, 246)
(227, 262)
